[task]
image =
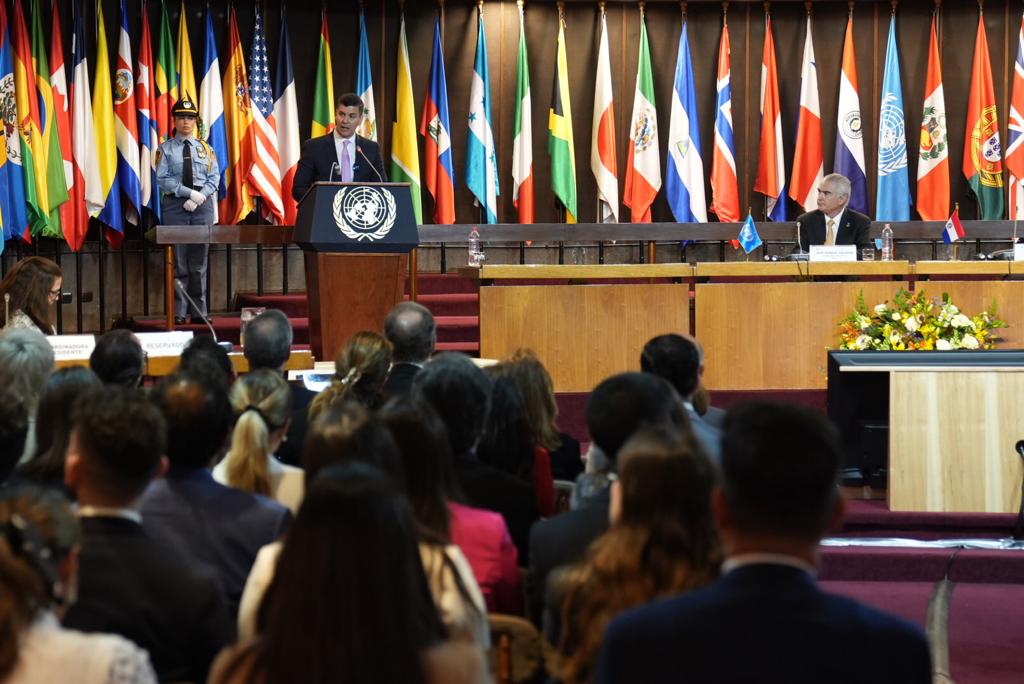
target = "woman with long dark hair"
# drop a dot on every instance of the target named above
(28, 293)
(662, 541)
(349, 600)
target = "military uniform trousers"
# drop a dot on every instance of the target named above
(190, 261)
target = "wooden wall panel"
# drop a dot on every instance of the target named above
(951, 441)
(774, 335)
(975, 296)
(582, 333)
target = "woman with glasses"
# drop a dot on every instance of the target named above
(29, 291)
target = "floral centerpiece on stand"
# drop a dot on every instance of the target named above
(913, 321)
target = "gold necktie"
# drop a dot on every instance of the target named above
(830, 232)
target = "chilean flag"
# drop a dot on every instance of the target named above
(808, 167)
(434, 127)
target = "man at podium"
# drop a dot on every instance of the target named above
(341, 155)
(834, 223)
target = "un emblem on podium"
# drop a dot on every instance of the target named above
(364, 212)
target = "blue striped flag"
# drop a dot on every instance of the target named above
(211, 101)
(893, 201)
(684, 186)
(481, 158)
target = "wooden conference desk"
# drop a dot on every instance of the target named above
(769, 331)
(165, 365)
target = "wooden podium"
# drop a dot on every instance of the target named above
(357, 237)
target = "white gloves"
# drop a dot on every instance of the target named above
(197, 197)
(190, 205)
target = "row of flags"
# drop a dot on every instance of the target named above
(69, 154)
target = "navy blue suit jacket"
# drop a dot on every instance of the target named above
(769, 624)
(855, 229)
(213, 525)
(320, 154)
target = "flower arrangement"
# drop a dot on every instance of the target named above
(912, 321)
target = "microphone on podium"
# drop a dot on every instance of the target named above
(359, 150)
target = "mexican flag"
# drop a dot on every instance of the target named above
(643, 165)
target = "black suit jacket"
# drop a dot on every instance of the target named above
(132, 585)
(320, 153)
(853, 230)
(291, 449)
(399, 380)
(762, 623)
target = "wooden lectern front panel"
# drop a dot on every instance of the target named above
(582, 333)
(951, 441)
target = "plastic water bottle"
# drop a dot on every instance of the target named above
(887, 243)
(474, 255)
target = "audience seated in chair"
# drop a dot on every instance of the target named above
(435, 497)
(765, 619)
(352, 434)
(26, 361)
(268, 344)
(262, 405)
(118, 359)
(203, 356)
(460, 393)
(410, 329)
(349, 600)
(661, 542)
(617, 408)
(38, 545)
(212, 525)
(129, 583)
(680, 360)
(360, 370)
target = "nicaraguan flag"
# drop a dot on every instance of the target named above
(481, 159)
(748, 238)
(893, 201)
(684, 186)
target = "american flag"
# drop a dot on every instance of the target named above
(265, 175)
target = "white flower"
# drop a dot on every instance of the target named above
(912, 324)
(880, 309)
(943, 345)
(895, 317)
(961, 321)
(862, 342)
(970, 342)
(863, 322)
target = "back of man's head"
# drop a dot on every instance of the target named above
(198, 415)
(460, 393)
(26, 361)
(675, 358)
(117, 358)
(204, 358)
(780, 469)
(623, 403)
(410, 329)
(268, 340)
(117, 440)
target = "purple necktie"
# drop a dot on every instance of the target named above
(346, 163)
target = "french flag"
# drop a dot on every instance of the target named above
(437, 148)
(953, 231)
(286, 120)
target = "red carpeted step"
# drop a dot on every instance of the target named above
(441, 283)
(451, 304)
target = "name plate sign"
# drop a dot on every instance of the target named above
(71, 347)
(164, 343)
(833, 252)
(1018, 251)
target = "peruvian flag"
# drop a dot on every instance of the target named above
(953, 231)
(933, 153)
(771, 169)
(808, 167)
(643, 165)
(602, 145)
(1015, 133)
(62, 113)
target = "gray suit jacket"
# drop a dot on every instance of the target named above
(707, 436)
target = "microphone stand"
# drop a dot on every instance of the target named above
(226, 346)
(359, 150)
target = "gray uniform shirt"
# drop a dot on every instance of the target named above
(205, 169)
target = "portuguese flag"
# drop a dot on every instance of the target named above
(983, 161)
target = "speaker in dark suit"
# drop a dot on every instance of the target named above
(342, 155)
(850, 227)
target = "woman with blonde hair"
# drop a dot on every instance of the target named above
(360, 370)
(662, 541)
(29, 291)
(262, 403)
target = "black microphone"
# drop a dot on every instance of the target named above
(359, 149)
(330, 179)
(799, 246)
(227, 346)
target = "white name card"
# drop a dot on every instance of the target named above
(833, 253)
(164, 343)
(1018, 251)
(71, 347)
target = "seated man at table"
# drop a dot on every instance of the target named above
(834, 223)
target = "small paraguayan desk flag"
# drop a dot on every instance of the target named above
(748, 238)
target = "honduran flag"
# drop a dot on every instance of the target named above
(953, 230)
(435, 128)
(286, 119)
(481, 156)
(126, 124)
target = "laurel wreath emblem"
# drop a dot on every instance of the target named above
(354, 196)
